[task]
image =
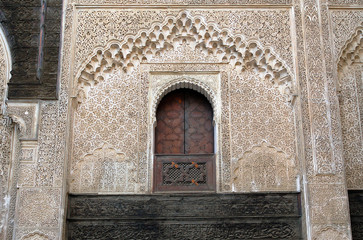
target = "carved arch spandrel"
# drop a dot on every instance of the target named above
(233, 49)
(352, 52)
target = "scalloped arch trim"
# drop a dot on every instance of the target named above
(167, 35)
(184, 82)
(352, 52)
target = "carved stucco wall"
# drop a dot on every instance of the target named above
(111, 93)
(348, 48)
(324, 173)
(321, 152)
(289, 37)
(351, 103)
(261, 121)
(4, 175)
(108, 117)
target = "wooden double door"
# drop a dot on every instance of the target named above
(184, 143)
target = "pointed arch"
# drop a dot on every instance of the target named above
(184, 82)
(162, 36)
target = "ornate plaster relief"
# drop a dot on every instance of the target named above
(197, 34)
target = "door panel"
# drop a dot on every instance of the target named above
(169, 134)
(198, 124)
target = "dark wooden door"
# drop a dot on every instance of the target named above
(184, 143)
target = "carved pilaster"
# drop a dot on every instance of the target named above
(325, 189)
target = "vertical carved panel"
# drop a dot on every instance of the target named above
(323, 158)
(6, 200)
(351, 100)
(225, 182)
(5, 140)
(259, 115)
(143, 164)
(110, 117)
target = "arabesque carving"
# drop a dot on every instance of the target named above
(174, 31)
(350, 72)
(104, 169)
(264, 168)
(127, 109)
(38, 208)
(352, 52)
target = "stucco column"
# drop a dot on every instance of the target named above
(325, 192)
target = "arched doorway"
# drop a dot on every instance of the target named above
(184, 143)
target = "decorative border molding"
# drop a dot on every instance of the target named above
(357, 3)
(146, 3)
